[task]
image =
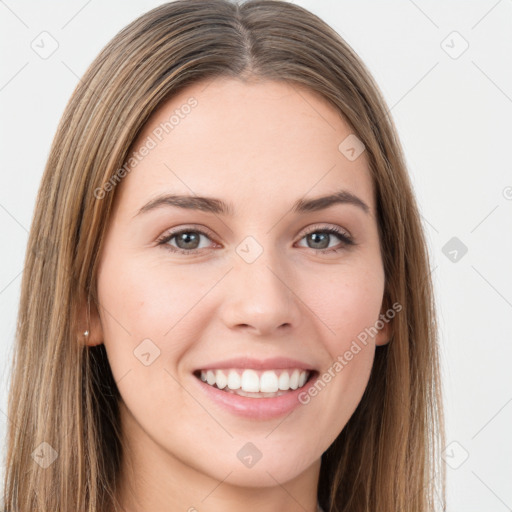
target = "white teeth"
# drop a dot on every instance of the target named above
(221, 379)
(284, 381)
(269, 382)
(294, 379)
(210, 377)
(252, 381)
(233, 380)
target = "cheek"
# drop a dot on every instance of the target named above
(141, 301)
(144, 298)
(347, 306)
(147, 320)
(347, 301)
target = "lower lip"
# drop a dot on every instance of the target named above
(257, 408)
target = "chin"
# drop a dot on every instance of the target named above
(266, 472)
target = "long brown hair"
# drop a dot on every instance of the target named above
(62, 392)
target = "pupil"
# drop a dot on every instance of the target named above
(314, 237)
(187, 239)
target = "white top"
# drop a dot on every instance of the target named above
(319, 508)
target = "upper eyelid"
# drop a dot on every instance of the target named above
(320, 227)
(173, 232)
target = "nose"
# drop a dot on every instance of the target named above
(260, 298)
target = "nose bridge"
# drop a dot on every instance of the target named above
(259, 294)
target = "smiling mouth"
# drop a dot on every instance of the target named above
(256, 383)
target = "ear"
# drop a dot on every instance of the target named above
(90, 321)
(385, 326)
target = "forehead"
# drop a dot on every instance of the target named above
(249, 141)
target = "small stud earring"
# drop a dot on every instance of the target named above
(86, 333)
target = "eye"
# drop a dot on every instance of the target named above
(187, 240)
(320, 237)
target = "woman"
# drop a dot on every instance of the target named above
(226, 300)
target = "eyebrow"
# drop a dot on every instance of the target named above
(217, 206)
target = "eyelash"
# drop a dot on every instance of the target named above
(346, 240)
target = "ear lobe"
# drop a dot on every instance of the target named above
(90, 322)
(383, 337)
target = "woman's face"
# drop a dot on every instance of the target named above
(248, 278)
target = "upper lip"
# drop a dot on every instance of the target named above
(273, 363)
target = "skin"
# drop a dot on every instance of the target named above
(260, 146)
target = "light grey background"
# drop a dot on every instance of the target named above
(452, 109)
